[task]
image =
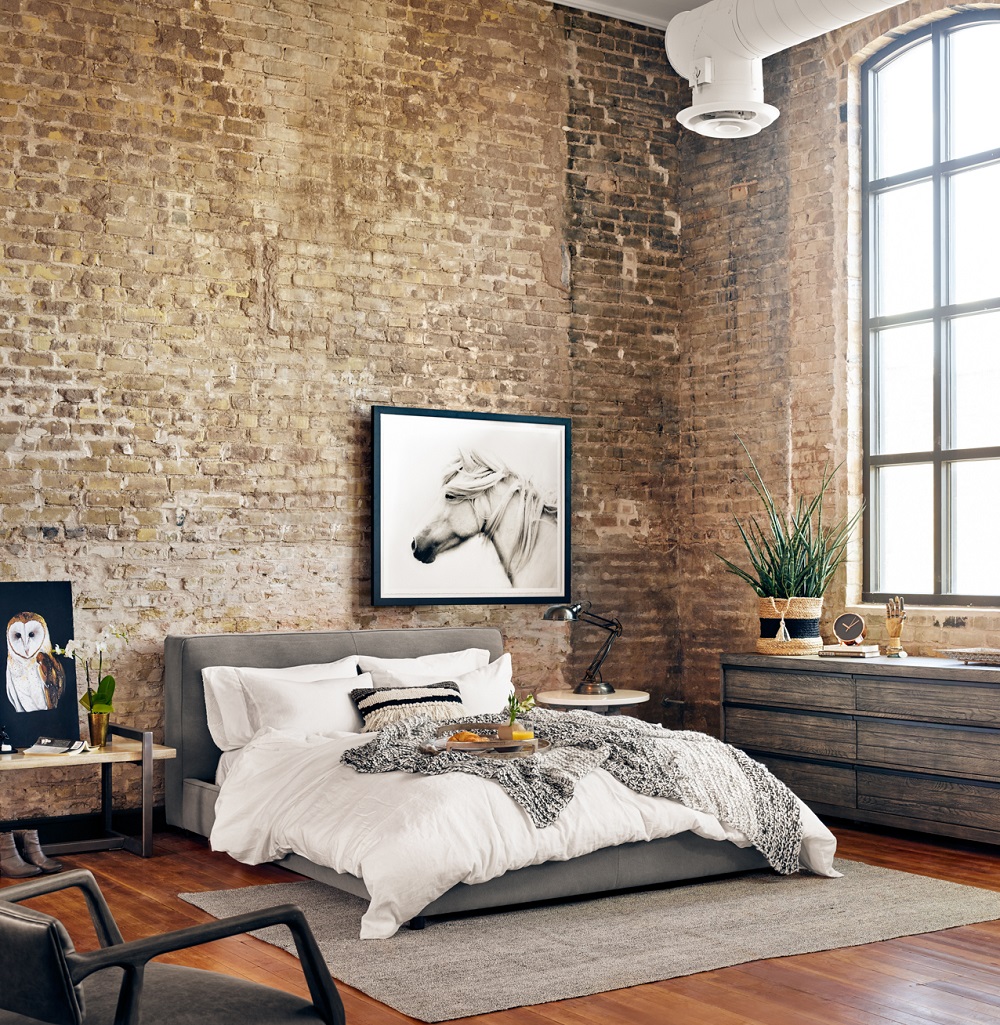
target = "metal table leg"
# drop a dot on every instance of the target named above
(107, 796)
(112, 839)
(142, 846)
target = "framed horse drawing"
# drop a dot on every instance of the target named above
(469, 508)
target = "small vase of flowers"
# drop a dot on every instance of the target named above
(97, 700)
(514, 730)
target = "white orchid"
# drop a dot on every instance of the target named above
(110, 639)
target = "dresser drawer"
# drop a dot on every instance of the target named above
(939, 700)
(817, 783)
(924, 799)
(911, 743)
(927, 748)
(790, 690)
(822, 736)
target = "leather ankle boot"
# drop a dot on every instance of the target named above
(12, 865)
(31, 850)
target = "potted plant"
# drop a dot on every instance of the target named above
(793, 556)
(97, 700)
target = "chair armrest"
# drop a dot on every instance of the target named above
(107, 930)
(134, 955)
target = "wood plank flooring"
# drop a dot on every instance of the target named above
(946, 978)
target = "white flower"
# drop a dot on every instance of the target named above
(93, 652)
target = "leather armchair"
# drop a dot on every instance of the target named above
(43, 978)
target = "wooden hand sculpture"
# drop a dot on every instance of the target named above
(895, 616)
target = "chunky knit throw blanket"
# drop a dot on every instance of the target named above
(694, 769)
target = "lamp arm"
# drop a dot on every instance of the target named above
(614, 628)
(586, 616)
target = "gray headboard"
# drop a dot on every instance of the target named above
(185, 721)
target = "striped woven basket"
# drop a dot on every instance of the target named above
(789, 626)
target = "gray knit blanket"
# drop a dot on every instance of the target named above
(694, 769)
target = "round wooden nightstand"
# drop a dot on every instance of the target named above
(607, 704)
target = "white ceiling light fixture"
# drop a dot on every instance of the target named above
(719, 48)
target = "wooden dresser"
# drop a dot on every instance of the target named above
(913, 743)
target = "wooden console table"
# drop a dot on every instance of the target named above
(912, 743)
(124, 745)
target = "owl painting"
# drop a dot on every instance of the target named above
(35, 678)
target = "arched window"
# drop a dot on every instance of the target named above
(931, 307)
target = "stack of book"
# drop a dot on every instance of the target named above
(850, 650)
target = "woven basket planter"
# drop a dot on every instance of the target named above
(801, 620)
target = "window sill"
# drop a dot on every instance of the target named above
(923, 611)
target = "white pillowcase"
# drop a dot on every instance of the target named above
(322, 706)
(443, 665)
(227, 689)
(483, 690)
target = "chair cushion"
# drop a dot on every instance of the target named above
(173, 995)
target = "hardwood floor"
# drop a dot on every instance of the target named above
(946, 978)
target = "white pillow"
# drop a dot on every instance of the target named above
(443, 665)
(226, 689)
(483, 690)
(486, 690)
(296, 706)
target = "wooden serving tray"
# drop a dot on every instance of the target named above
(487, 745)
(976, 656)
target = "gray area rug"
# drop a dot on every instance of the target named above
(490, 962)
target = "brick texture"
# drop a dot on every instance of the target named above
(770, 346)
(229, 229)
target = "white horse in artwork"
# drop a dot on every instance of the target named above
(482, 496)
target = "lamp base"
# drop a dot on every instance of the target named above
(593, 687)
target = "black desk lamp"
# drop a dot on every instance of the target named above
(591, 682)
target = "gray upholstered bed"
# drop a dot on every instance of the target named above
(191, 790)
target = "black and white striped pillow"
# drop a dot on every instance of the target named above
(380, 706)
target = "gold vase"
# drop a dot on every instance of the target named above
(98, 723)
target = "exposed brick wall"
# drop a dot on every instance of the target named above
(228, 230)
(733, 377)
(770, 344)
(624, 242)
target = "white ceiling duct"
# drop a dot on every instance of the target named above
(719, 48)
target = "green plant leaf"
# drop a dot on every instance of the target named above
(793, 554)
(99, 700)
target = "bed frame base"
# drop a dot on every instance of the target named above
(632, 866)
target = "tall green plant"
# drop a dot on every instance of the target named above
(792, 555)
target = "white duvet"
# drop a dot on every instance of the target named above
(411, 837)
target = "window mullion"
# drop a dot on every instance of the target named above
(941, 250)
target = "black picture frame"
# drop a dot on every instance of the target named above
(51, 603)
(500, 533)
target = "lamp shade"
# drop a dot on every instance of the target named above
(562, 613)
